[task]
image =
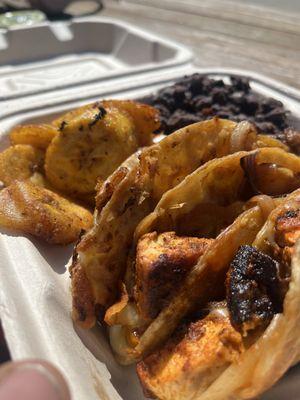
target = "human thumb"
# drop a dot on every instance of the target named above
(32, 380)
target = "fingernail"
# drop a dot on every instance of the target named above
(32, 380)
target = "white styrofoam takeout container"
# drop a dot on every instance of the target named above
(35, 300)
(51, 56)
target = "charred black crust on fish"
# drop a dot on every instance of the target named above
(254, 289)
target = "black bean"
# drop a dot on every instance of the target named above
(201, 102)
(240, 83)
(168, 102)
(196, 86)
(167, 92)
(163, 110)
(219, 96)
(179, 96)
(208, 111)
(237, 98)
(219, 83)
(266, 127)
(242, 117)
(180, 119)
(293, 139)
(275, 116)
(224, 114)
(251, 104)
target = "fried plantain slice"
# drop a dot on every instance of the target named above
(146, 118)
(20, 162)
(30, 209)
(90, 146)
(39, 136)
(66, 118)
(87, 149)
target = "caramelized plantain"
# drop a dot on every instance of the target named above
(30, 209)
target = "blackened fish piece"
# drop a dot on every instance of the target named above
(254, 292)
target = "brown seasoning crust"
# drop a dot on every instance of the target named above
(83, 302)
(287, 228)
(195, 355)
(162, 263)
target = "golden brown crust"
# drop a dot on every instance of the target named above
(112, 314)
(88, 148)
(146, 118)
(287, 228)
(94, 140)
(106, 190)
(83, 300)
(287, 232)
(281, 232)
(20, 162)
(75, 113)
(30, 209)
(190, 360)
(162, 263)
(39, 136)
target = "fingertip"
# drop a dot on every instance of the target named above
(32, 380)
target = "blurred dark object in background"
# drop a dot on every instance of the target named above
(54, 9)
(4, 352)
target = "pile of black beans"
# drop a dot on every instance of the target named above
(196, 98)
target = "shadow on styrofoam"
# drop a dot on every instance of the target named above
(287, 387)
(123, 378)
